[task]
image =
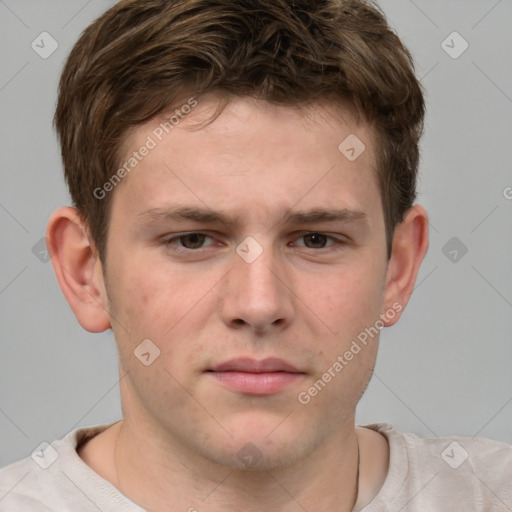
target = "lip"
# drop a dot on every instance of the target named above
(253, 377)
(248, 365)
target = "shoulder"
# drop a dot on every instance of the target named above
(475, 470)
(471, 473)
(21, 486)
(473, 454)
(45, 480)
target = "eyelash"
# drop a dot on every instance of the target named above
(337, 242)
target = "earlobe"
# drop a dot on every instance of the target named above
(410, 244)
(78, 268)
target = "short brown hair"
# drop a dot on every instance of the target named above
(133, 62)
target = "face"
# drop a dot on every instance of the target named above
(209, 259)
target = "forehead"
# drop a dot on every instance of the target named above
(230, 119)
(253, 154)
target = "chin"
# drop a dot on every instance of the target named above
(263, 445)
(258, 455)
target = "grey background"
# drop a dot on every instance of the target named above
(443, 370)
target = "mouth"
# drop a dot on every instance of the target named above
(249, 376)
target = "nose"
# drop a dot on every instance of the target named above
(257, 295)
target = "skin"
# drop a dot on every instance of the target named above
(303, 300)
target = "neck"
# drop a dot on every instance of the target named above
(154, 472)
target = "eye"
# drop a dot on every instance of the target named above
(188, 241)
(318, 240)
(196, 242)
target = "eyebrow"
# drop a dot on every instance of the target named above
(207, 216)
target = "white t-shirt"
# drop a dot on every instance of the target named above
(452, 474)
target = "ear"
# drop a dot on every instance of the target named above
(78, 268)
(410, 244)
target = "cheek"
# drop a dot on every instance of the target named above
(347, 301)
(135, 310)
(143, 295)
(164, 306)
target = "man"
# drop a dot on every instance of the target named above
(243, 176)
